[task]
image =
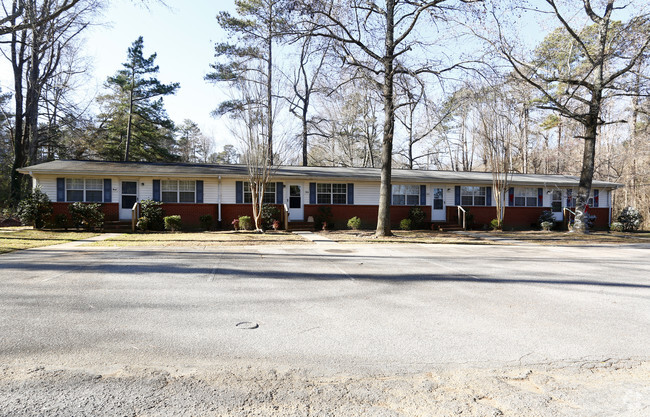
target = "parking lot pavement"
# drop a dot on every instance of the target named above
(365, 307)
(373, 330)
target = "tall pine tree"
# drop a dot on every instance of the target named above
(135, 125)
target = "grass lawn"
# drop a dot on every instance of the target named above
(201, 239)
(486, 237)
(403, 236)
(16, 238)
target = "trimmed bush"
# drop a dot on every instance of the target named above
(245, 223)
(206, 222)
(494, 224)
(616, 227)
(173, 223)
(88, 216)
(406, 224)
(546, 216)
(354, 223)
(35, 209)
(270, 213)
(153, 212)
(417, 217)
(630, 218)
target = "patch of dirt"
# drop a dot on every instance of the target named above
(620, 388)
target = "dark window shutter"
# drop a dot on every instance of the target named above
(569, 195)
(199, 191)
(595, 198)
(156, 190)
(108, 189)
(457, 195)
(511, 196)
(239, 192)
(279, 193)
(312, 193)
(423, 195)
(540, 197)
(60, 189)
(488, 196)
(350, 193)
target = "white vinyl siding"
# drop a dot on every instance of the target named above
(366, 194)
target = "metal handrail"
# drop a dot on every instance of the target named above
(567, 221)
(286, 217)
(464, 222)
(135, 215)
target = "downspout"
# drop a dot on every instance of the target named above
(219, 198)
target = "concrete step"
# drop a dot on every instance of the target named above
(446, 227)
(301, 226)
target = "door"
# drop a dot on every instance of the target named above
(556, 205)
(438, 212)
(296, 213)
(128, 198)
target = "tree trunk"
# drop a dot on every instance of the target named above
(269, 86)
(383, 217)
(17, 62)
(586, 175)
(129, 121)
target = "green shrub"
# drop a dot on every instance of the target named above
(630, 218)
(245, 223)
(354, 223)
(616, 227)
(153, 212)
(270, 213)
(495, 224)
(61, 221)
(546, 216)
(546, 226)
(142, 224)
(206, 222)
(417, 216)
(173, 223)
(86, 215)
(35, 208)
(406, 224)
(323, 220)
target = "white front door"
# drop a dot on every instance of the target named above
(438, 212)
(296, 213)
(128, 197)
(556, 205)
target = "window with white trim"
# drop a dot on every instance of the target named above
(86, 190)
(556, 201)
(472, 196)
(269, 193)
(331, 193)
(178, 191)
(526, 197)
(406, 195)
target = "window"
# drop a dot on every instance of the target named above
(406, 195)
(437, 199)
(87, 190)
(526, 197)
(331, 193)
(556, 201)
(269, 193)
(174, 191)
(472, 196)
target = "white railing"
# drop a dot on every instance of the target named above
(286, 217)
(135, 215)
(567, 220)
(462, 220)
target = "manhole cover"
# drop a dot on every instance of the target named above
(248, 325)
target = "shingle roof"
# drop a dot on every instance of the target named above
(150, 169)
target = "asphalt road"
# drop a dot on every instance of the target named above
(331, 309)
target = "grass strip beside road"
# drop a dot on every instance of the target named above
(202, 239)
(21, 238)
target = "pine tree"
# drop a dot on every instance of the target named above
(135, 125)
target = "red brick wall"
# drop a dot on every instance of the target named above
(368, 214)
(520, 217)
(111, 210)
(190, 212)
(229, 212)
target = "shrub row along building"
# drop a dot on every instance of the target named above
(222, 191)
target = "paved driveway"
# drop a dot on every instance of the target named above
(401, 308)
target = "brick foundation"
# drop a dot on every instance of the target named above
(229, 212)
(111, 210)
(341, 213)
